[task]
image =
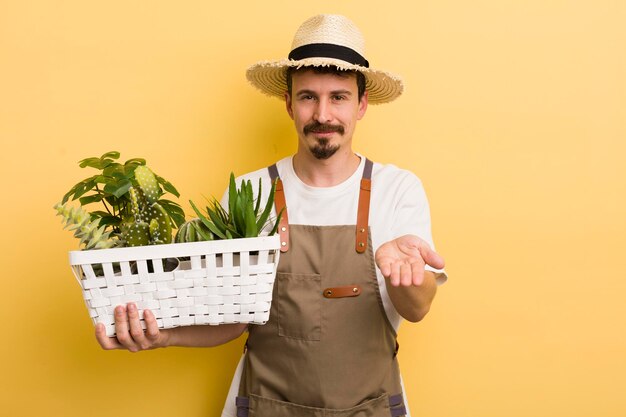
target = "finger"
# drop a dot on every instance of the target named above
(431, 257)
(394, 277)
(384, 266)
(136, 331)
(405, 275)
(122, 329)
(417, 271)
(152, 328)
(106, 342)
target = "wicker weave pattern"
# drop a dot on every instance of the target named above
(216, 285)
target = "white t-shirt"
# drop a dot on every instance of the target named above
(398, 207)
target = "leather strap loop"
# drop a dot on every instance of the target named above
(341, 292)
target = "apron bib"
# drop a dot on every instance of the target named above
(328, 347)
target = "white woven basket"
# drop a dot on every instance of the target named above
(224, 281)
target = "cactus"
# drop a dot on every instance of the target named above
(148, 183)
(193, 231)
(148, 223)
(90, 233)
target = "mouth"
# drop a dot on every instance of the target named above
(323, 134)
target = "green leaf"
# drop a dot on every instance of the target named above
(135, 161)
(129, 170)
(249, 192)
(275, 228)
(204, 234)
(112, 200)
(114, 170)
(171, 189)
(167, 186)
(90, 162)
(99, 213)
(80, 190)
(174, 210)
(93, 198)
(118, 175)
(238, 215)
(123, 187)
(70, 193)
(250, 218)
(216, 219)
(119, 189)
(258, 200)
(268, 208)
(206, 221)
(111, 154)
(109, 220)
(221, 211)
(232, 193)
(169, 203)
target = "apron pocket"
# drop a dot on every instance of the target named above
(266, 407)
(299, 306)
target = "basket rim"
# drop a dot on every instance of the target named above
(174, 250)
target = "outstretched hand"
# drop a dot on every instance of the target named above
(402, 260)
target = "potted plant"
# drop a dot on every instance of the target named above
(227, 272)
(134, 212)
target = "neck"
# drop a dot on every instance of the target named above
(326, 172)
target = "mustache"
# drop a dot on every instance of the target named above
(317, 127)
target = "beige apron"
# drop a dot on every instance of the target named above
(328, 348)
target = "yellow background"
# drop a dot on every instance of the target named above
(514, 117)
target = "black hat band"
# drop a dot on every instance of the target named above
(328, 50)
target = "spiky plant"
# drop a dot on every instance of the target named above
(244, 217)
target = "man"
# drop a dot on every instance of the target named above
(329, 346)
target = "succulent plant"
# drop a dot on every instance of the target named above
(91, 234)
(193, 231)
(244, 217)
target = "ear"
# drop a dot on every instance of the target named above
(288, 104)
(362, 106)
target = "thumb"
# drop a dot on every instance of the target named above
(431, 257)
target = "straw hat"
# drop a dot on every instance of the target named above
(326, 40)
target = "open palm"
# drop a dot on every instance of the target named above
(402, 260)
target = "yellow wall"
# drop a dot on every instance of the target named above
(514, 118)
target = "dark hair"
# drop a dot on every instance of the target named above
(360, 78)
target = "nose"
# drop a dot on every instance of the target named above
(322, 112)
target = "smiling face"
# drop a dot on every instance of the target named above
(325, 108)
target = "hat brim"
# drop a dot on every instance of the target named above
(270, 77)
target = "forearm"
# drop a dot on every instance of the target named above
(204, 336)
(413, 302)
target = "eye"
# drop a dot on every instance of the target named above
(339, 97)
(306, 97)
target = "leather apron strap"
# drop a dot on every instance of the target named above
(362, 218)
(362, 222)
(280, 204)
